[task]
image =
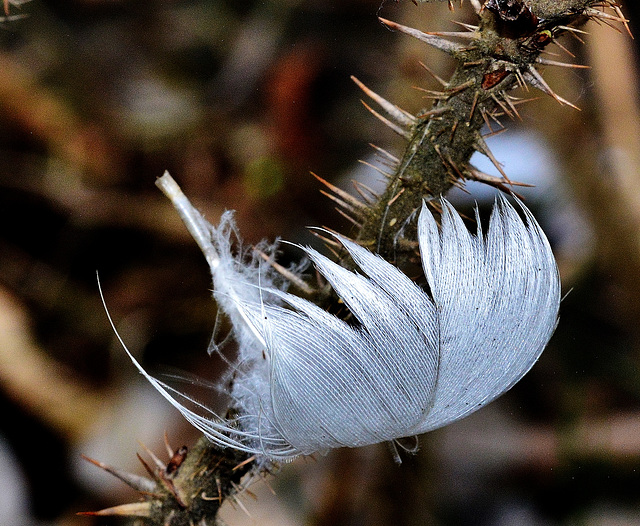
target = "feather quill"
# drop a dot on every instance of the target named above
(306, 381)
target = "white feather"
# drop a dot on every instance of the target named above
(307, 381)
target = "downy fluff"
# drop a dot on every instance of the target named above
(306, 381)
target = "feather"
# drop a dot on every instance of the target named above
(307, 381)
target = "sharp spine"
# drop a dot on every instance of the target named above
(402, 117)
(439, 79)
(361, 188)
(133, 481)
(477, 175)
(376, 168)
(442, 44)
(502, 105)
(547, 62)
(136, 509)
(483, 148)
(455, 34)
(435, 112)
(159, 464)
(290, 276)
(533, 77)
(565, 49)
(345, 196)
(340, 202)
(385, 153)
(468, 27)
(349, 218)
(400, 131)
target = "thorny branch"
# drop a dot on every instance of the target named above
(495, 56)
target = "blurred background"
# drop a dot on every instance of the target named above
(239, 101)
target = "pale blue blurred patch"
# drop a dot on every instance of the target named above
(14, 500)
(525, 159)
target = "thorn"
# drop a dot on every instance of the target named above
(206, 497)
(247, 461)
(395, 197)
(605, 18)
(334, 233)
(361, 188)
(133, 481)
(155, 459)
(564, 48)
(453, 131)
(137, 509)
(550, 53)
(219, 488)
(575, 35)
(511, 105)
(170, 450)
(376, 168)
(296, 280)
(148, 468)
(573, 30)
(435, 204)
(497, 183)
(474, 105)
(349, 218)
(335, 252)
(432, 94)
(400, 131)
(520, 79)
(455, 180)
(601, 15)
(494, 133)
(445, 162)
(440, 43)
(476, 175)
(327, 241)
(433, 113)
(516, 101)
(239, 503)
(486, 115)
(440, 80)
(533, 77)
(401, 117)
(461, 186)
(385, 153)
(161, 475)
(341, 193)
(483, 148)
(461, 87)
(547, 62)
(502, 105)
(455, 34)
(244, 491)
(340, 202)
(618, 11)
(263, 476)
(468, 27)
